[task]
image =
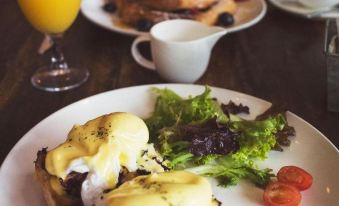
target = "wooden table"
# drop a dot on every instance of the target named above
(280, 59)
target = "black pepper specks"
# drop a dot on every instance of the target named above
(102, 132)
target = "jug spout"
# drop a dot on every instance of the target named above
(216, 34)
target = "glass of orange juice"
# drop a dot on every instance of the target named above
(53, 18)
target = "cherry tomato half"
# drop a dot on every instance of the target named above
(295, 176)
(281, 194)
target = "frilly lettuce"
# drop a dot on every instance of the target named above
(256, 138)
(171, 109)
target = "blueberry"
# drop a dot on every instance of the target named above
(226, 19)
(110, 7)
(144, 25)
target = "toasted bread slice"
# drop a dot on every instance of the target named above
(172, 5)
(52, 191)
(131, 12)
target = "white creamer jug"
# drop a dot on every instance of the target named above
(180, 49)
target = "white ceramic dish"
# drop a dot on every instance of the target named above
(249, 13)
(310, 149)
(294, 7)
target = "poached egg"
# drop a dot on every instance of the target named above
(102, 147)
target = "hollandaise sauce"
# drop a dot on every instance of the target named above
(100, 147)
(163, 189)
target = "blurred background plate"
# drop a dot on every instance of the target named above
(249, 13)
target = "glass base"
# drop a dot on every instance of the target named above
(58, 79)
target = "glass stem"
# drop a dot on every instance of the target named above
(57, 59)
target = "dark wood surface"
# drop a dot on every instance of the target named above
(280, 60)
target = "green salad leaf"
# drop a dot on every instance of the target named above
(258, 137)
(229, 171)
(254, 139)
(171, 109)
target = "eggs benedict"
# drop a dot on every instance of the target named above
(93, 156)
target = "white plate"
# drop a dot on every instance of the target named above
(294, 7)
(310, 149)
(249, 13)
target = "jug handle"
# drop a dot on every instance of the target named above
(141, 60)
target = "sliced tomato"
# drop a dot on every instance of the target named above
(295, 176)
(281, 194)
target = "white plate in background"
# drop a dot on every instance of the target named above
(249, 12)
(310, 149)
(294, 7)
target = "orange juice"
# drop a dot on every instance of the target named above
(50, 16)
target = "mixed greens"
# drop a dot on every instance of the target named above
(201, 135)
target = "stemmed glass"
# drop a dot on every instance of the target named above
(53, 18)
